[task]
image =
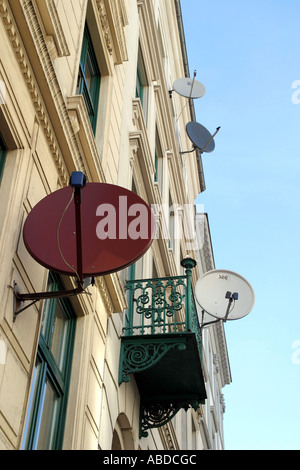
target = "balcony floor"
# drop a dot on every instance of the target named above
(176, 375)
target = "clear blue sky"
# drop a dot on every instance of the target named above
(247, 54)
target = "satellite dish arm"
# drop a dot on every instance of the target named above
(217, 130)
(193, 83)
(188, 151)
(210, 322)
(36, 296)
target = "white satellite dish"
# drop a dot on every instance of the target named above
(224, 295)
(189, 88)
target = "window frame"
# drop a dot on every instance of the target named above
(142, 83)
(139, 89)
(48, 372)
(158, 163)
(90, 92)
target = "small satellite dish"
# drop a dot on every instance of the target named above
(201, 137)
(189, 88)
(224, 295)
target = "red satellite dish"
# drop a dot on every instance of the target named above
(117, 228)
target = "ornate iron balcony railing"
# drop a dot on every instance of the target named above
(161, 346)
(161, 306)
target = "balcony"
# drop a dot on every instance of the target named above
(161, 347)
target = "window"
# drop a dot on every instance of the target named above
(139, 92)
(49, 392)
(89, 78)
(158, 176)
(2, 156)
(141, 83)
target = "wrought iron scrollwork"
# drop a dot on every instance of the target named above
(139, 357)
(159, 414)
(156, 416)
(159, 301)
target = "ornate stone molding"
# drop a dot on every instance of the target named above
(113, 19)
(206, 254)
(52, 26)
(105, 25)
(112, 293)
(28, 75)
(101, 285)
(168, 437)
(49, 72)
(222, 402)
(216, 362)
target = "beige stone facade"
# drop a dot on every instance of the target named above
(47, 134)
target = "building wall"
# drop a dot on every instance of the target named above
(47, 132)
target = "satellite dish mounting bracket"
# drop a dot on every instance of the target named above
(188, 151)
(78, 182)
(231, 298)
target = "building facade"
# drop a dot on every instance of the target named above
(87, 86)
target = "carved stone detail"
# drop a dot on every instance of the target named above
(28, 74)
(105, 25)
(168, 437)
(113, 19)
